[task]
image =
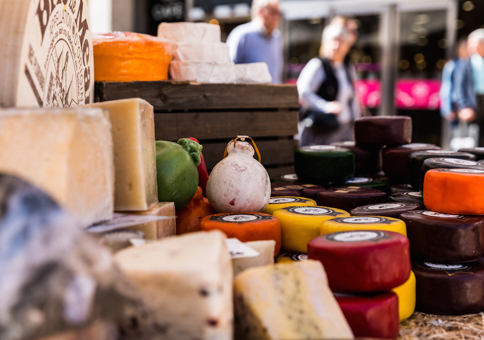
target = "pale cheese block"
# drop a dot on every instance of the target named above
(203, 72)
(46, 54)
(287, 301)
(255, 73)
(134, 153)
(190, 32)
(157, 230)
(187, 281)
(208, 52)
(68, 153)
(265, 257)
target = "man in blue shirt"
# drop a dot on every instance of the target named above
(260, 40)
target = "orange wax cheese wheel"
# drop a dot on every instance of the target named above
(280, 202)
(454, 191)
(246, 227)
(384, 223)
(126, 56)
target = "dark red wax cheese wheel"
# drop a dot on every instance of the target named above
(371, 315)
(446, 163)
(394, 209)
(373, 182)
(367, 160)
(395, 159)
(400, 188)
(478, 152)
(347, 198)
(362, 261)
(407, 197)
(444, 238)
(449, 289)
(285, 189)
(311, 190)
(383, 130)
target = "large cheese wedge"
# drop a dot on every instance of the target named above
(46, 54)
(280, 202)
(406, 297)
(446, 163)
(299, 225)
(254, 73)
(407, 197)
(444, 238)
(157, 230)
(187, 281)
(265, 257)
(291, 257)
(189, 32)
(287, 301)
(67, 153)
(134, 153)
(208, 52)
(454, 191)
(348, 198)
(203, 72)
(385, 209)
(383, 130)
(363, 222)
(245, 227)
(367, 159)
(126, 56)
(478, 152)
(375, 260)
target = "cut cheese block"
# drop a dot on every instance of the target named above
(446, 163)
(254, 73)
(291, 257)
(265, 257)
(46, 54)
(407, 197)
(371, 316)
(478, 152)
(363, 222)
(322, 164)
(444, 238)
(157, 230)
(454, 191)
(134, 153)
(67, 153)
(385, 209)
(187, 281)
(449, 289)
(299, 225)
(378, 183)
(375, 260)
(383, 130)
(245, 227)
(280, 202)
(400, 188)
(202, 72)
(348, 198)
(201, 51)
(367, 160)
(287, 301)
(395, 159)
(406, 297)
(125, 57)
(188, 32)
(288, 178)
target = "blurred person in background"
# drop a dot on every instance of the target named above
(260, 40)
(329, 103)
(352, 27)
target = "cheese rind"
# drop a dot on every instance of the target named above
(406, 297)
(157, 230)
(254, 73)
(189, 32)
(207, 52)
(265, 257)
(203, 72)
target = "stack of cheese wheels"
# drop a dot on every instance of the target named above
(367, 159)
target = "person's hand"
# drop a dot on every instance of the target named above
(466, 114)
(333, 107)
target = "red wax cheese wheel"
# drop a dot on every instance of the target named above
(444, 238)
(347, 198)
(383, 130)
(385, 209)
(362, 261)
(367, 160)
(311, 190)
(407, 197)
(245, 227)
(446, 163)
(478, 152)
(455, 191)
(371, 316)
(450, 289)
(284, 189)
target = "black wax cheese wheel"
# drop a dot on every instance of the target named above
(444, 238)
(449, 289)
(347, 198)
(394, 209)
(367, 160)
(416, 160)
(407, 197)
(287, 178)
(401, 188)
(395, 159)
(478, 152)
(383, 130)
(321, 164)
(311, 190)
(378, 183)
(446, 163)
(284, 189)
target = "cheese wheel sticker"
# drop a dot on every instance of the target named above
(363, 222)
(46, 54)
(385, 209)
(280, 202)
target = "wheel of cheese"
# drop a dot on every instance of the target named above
(367, 160)
(446, 163)
(280, 202)
(378, 183)
(245, 227)
(291, 257)
(362, 261)
(363, 222)
(407, 197)
(455, 191)
(394, 209)
(416, 161)
(395, 159)
(347, 198)
(478, 152)
(383, 130)
(406, 297)
(322, 164)
(449, 289)
(311, 190)
(46, 54)
(401, 188)
(299, 225)
(284, 189)
(371, 316)
(287, 178)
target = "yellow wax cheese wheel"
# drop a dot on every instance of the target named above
(301, 224)
(291, 257)
(335, 225)
(406, 297)
(276, 203)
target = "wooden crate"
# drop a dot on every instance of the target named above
(217, 113)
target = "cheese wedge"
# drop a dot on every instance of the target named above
(190, 32)
(266, 256)
(157, 230)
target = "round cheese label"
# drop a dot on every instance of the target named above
(439, 266)
(385, 206)
(362, 220)
(441, 152)
(299, 257)
(356, 236)
(313, 211)
(415, 145)
(457, 161)
(414, 194)
(319, 147)
(281, 200)
(290, 177)
(240, 218)
(348, 143)
(359, 180)
(465, 171)
(437, 214)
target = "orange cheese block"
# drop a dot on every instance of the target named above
(245, 227)
(126, 56)
(454, 191)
